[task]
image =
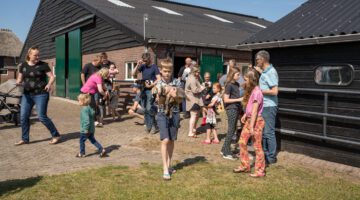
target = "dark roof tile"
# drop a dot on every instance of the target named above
(315, 18)
(192, 26)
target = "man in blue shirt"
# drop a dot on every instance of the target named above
(269, 82)
(150, 76)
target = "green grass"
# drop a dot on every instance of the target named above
(197, 181)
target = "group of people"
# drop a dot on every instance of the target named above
(160, 97)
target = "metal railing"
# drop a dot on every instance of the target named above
(325, 115)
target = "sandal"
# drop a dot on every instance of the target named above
(206, 142)
(80, 155)
(241, 170)
(54, 140)
(166, 177)
(21, 142)
(193, 135)
(172, 171)
(257, 174)
(215, 142)
(103, 153)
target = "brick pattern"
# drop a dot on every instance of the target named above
(119, 57)
(9, 61)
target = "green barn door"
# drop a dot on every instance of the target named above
(212, 64)
(74, 63)
(60, 67)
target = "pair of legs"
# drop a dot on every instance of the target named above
(167, 149)
(192, 123)
(168, 134)
(211, 128)
(269, 138)
(257, 140)
(114, 112)
(91, 137)
(233, 116)
(98, 107)
(149, 114)
(27, 103)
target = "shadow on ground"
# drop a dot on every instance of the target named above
(190, 161)
(108, 149)
(11, 187)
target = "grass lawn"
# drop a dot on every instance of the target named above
(199, 180)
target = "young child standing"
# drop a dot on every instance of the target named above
(211, 115)
(168, 97)
(207, 95)
(254, 124)
(87, 128)
(232, 102)
(114, 99)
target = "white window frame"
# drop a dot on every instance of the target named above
(127, 71)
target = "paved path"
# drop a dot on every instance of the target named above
(125, 141)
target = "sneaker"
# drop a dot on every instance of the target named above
(229, 157)
(147, 130)
(99, 125)
(154, 130)
(96, 123)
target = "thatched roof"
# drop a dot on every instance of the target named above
(10, 44)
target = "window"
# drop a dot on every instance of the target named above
(340, 75)
(219, 18)
(256, 24)
(129, 68)
(2, 69)
(120, 3)
(168, 11)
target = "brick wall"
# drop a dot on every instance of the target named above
(119, 57)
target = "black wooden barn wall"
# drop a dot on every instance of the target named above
(54, 14)
(296, 66)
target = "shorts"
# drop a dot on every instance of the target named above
(168, 126)
(210, 126)
(195, 108)
(140, 111)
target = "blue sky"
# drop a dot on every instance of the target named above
(17, 15)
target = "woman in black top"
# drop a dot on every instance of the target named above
(32, 76)
(232, 102)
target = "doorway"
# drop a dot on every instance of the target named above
(178, 63)
(68, 64)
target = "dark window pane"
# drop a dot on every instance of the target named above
(334, 75)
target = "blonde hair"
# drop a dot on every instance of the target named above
(84, 99)
(166, 64)
(103, 72)
(27, 58)
(194, 69)
(116, 87)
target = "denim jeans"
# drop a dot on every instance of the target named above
(27, 103)
(91, 137)
(149, 115)
(269, 139)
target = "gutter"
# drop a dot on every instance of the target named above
(197, 44)
(301, 42)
